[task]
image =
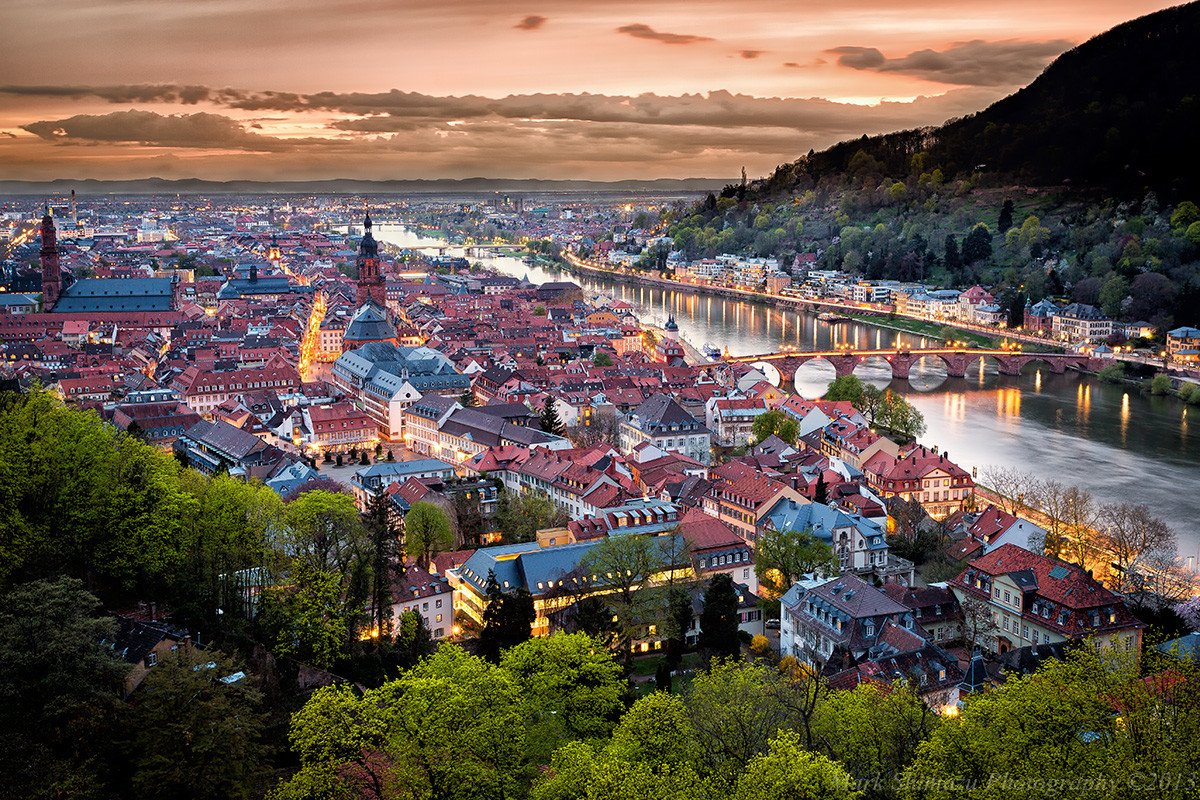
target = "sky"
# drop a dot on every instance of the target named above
(556, 89)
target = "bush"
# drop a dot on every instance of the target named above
(1160, 385)
(1113, 373)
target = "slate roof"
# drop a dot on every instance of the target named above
(225, 438)
(116, 294)
(658, 413)
(369, 324)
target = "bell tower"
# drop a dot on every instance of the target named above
(370, 279)
(51, 268)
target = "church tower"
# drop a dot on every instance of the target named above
(51, 269)
(370, 279)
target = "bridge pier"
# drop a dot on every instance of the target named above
(901, 364)
(843, 365)
(956, 364)
(1011, 366)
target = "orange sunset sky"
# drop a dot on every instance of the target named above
(313, 89)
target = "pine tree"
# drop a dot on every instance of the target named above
(719, 619)
(385, 552)
(507, 619)
(550, 423)
(1006, 217)
(953, 259)
(821, 490)
(467, 399)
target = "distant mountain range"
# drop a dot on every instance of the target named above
(1119, 113)
(349, 186)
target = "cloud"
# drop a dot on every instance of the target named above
(133, 93)
(530, 23)
(408, 134)
(157, 130)
(752, 53)
(975, 63)
(646, 32)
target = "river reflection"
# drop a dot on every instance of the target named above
(1116, 442)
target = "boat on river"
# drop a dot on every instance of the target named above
(711, 351)
(831, 318)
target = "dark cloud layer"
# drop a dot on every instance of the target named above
(412, 134)
(530, 23)
(639, 31)
(396, 111)
(202, 130)
(973, 63)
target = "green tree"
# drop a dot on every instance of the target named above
(59, 690)
(788, 771)
(325, 531)
(1115, 290)
(736, 708)
(452, 728)
(1185, 214)
(467, 399)
(718, 637)
(627, 566)
(782, 556)
(549, 421)
(84, 500)
(308, 618)
(774, 422)
(195, 731)
(656, 730)
(507, 619)
(225, 544)
(571, 683)
(412, 639)
(426, 533)
(978, 244)
(901, 416)
(521, 516)
(1088, 721)
(847, 387)
(602, 359)
(874, 731)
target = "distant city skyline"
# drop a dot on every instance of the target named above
(306, 90)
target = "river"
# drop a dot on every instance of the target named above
(1119, 444)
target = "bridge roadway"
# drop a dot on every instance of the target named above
(957, 360)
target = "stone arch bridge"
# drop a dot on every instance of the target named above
(957, 361)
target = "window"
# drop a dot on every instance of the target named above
(439, 618)
(437, 604)
(745, 574)
(439, 633)
(151, 658)
(424, 606)
(1024, 631)
(1007, 599)
(1006, 623)
(996, 592)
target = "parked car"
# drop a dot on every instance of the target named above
(772, 623)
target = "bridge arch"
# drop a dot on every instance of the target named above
(812, 376)
(875, 369)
